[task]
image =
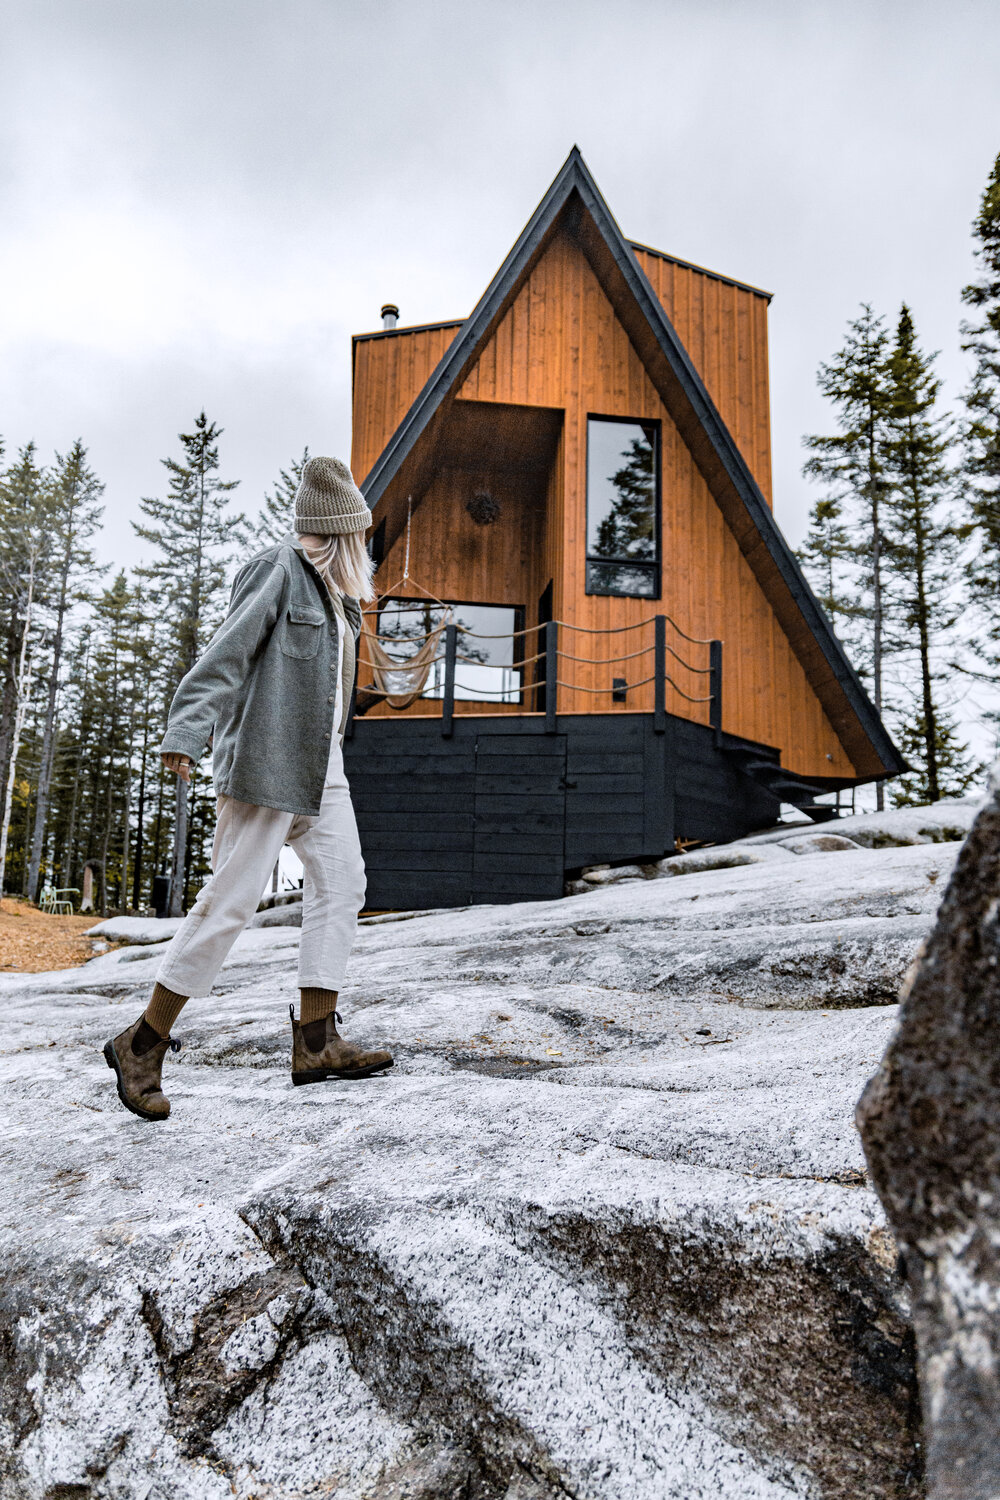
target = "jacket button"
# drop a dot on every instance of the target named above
(332, 698)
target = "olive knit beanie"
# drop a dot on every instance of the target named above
(327, 501)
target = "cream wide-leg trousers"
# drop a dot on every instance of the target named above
(248, 840)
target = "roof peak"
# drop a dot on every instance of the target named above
(574, 201)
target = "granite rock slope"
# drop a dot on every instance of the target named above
(929, 1123)
(604, 1230)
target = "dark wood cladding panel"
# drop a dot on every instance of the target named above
(714, 803)
(454, 829)
(520, 816)
(414, 797)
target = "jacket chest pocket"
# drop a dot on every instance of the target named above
(300, 630)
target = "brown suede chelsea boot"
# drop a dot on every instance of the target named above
(136, 1056)
(318, 1052)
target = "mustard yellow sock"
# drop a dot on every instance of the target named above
(315, 1004)
(163, 1009)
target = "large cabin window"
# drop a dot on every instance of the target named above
(486, 639)
(623, 532)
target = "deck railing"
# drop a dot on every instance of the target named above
(543, 694)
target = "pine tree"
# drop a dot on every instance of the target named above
(921, 555)
(22, 537)
(981, 338)
(194, 538)
(955, 771)
(277, 515)
(851, 463)
(116, 690)
(24, 552)
(627, 529)
(75, 515)
(827, 557)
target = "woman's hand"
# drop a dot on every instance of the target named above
(179, 764)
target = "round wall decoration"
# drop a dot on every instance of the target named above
(482, 507)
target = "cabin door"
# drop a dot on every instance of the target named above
(520, 817)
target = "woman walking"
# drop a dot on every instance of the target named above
(271, 693)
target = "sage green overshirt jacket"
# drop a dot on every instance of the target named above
(266, 685)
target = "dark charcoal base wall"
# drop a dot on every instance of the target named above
(501, 810)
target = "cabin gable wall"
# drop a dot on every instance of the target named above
(560, 344)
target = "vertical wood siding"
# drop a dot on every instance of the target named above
(389, 371)
(561, 345)
(590, 367)
(724, 330)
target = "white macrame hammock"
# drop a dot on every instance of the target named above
(401, 683)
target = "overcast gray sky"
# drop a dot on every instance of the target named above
(203, 199)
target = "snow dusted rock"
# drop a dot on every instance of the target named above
(612, 874)
(818, 843)
(136, 929)
(287, 915)
(724, 857)
(940, 823)
(279, 898)
(601, 1231)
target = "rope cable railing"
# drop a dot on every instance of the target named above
(506, 693)
(525, 661)
(503, 666)
(506, 635)
(575, 687)
(421, 604)
(449, 687)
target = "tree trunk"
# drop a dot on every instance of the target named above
(180, 849)
(106, 835)
(126, 815)
(194, 819)
(69, 848)
(877, 616)
(8, 697)
(22, 682)
(47, 761)
(137, 878)
(25, 682)
(31, 777)
(109, 804)
(158, 825)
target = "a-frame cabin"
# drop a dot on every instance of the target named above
(634, 656)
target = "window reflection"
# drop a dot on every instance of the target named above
(622, 532)
(489, 673)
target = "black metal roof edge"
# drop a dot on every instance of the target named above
(690, 265)
(441, 378)
(388, 333)
(574, 175)
(739, 473)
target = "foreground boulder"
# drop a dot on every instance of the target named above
(930, 1121)
(605, 1229)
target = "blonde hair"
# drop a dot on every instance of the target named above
(343, 562)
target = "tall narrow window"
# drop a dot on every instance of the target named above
(623, 532)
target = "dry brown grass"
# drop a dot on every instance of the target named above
(32, 942)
